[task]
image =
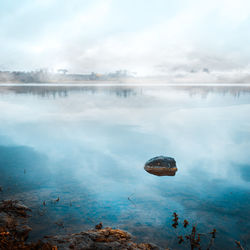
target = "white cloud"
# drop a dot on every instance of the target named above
(201, 34)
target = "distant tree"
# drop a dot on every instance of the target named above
(206, 70)
(62, 71)
(93, 76)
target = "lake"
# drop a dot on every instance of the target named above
(88, 145)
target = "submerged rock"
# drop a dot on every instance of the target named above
(14, 208)
(14, 234)
(161, 166)
(13, 230)
(106, 238)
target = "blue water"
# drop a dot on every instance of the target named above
(87, 145)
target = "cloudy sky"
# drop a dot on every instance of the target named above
(150, 37)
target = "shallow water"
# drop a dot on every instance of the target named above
(87, 145)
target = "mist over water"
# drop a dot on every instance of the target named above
(88, 145)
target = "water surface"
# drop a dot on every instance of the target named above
(87, 145)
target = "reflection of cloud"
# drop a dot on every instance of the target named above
(244, 171)
(167, 120)
(96, 144)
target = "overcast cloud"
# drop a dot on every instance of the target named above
(159, 37)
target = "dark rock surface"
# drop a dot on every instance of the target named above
(14, 208)
(161, 166)
(13, 228)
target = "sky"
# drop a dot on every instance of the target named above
(146, 37)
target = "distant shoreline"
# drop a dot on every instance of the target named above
(124, 83)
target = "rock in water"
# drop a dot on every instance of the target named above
(161, 166)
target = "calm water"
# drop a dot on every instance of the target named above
(87, 146)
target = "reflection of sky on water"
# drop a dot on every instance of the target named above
(89, 145)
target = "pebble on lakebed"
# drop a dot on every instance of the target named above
(161, 166)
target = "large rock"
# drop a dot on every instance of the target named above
(161, 166)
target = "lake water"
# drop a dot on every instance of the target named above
(87, 145)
